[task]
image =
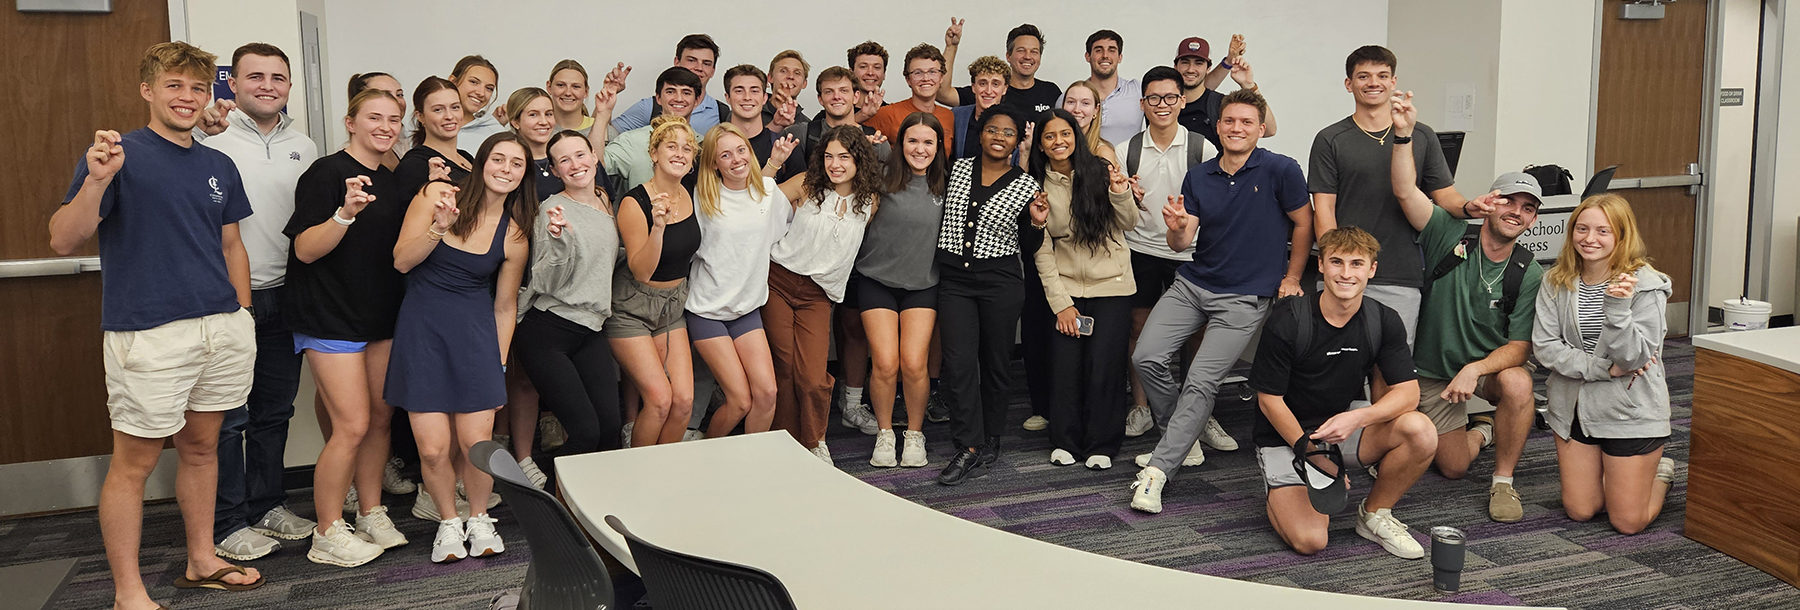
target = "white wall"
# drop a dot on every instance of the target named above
(1297, 46)
(1435, 58)
(1546, 81)
(221, 26)
(1733, 136)
(1787, 171)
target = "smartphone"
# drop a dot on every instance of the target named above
(1084, 325)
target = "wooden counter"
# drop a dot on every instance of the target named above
(1743, 495)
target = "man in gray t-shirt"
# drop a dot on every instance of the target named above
(1348, 174)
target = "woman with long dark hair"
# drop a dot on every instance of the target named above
(1085, 270)
(987, 205)
(560, 343)
(809, 270)
(898, 285)
(463, 249)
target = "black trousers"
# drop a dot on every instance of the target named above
(576, 378)
(1087, 404)
(1037, 325)
(977, 315)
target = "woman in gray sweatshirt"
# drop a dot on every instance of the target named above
(1599, 331)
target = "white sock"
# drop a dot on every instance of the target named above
(852, 397)
(1500, 479)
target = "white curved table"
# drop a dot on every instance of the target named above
(763, 500)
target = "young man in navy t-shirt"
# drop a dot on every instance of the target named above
(180, 344)
(1245, 213)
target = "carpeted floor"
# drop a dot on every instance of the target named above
(1212, 523)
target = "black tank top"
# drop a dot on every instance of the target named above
(680, 241)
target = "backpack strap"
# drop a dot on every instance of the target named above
(1372, 330)
(1134, 150)
(1513, 279)
(1301, 307)
(1196, 148)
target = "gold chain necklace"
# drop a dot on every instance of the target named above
(1379, 141)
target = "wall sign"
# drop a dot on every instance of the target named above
(1731, 97)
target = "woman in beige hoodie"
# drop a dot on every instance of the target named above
(1086, 271)
(1599, 330)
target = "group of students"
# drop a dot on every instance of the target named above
(579, 260)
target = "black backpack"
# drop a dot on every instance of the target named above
(1196, 151)
(1512, 278)
(1553, 179)
(1301, 307)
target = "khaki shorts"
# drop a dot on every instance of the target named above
(640, 310)
(156, 375)
(1447, 416)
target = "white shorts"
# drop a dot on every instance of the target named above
(155, 376)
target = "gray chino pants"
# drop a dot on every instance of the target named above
(1180, 407)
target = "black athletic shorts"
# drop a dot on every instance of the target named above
(1616, 447)
(1154, 275)
(872, 294)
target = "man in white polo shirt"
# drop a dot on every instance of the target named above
(270, 154)
(1121, 116)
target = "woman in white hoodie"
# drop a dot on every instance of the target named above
(1599, 330)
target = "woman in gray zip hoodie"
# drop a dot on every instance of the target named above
(1599, 331)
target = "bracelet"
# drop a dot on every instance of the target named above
(1402, 139)
(1465, 210)
(435, 235)
(340, 219)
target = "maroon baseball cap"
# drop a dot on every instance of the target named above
(1194, 46)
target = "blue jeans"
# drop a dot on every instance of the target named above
(253, 438)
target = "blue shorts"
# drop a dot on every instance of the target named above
(700, 328)
(328, 346)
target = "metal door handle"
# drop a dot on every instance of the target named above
(38, 267)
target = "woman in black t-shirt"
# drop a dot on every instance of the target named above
(341, 299)
(532, 115)
(437, 118)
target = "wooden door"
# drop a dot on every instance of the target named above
(71, 74)
(1652, 87)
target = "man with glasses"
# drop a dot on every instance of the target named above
(924, 72)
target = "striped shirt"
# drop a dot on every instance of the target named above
(1588, 313)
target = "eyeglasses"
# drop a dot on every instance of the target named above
(1162, 100)
(1000, 131)
(925, 73)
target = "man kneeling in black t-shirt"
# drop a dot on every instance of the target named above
(1311, 379)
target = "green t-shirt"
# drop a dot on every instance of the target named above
(1460, 321)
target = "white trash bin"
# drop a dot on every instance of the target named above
(1746, 314)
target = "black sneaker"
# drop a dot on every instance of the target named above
(936, 411)
(966, 465)
(990, 452)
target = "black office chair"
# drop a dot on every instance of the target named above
(565, 570)
(678, 581)
(1599, 184)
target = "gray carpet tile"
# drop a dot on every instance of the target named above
(1213, 523)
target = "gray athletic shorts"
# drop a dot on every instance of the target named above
(1278, 462)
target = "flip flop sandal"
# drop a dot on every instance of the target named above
(217, 581)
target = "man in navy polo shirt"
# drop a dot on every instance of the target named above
(1245, 213)
(179, 344)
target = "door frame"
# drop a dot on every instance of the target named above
(1694, 320)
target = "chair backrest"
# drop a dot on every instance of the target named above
(565, 570)
(678, 581)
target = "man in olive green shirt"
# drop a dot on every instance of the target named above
(1467, 344)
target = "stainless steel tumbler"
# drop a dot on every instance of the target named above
(1447, 550)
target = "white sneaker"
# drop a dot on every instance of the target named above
(860, 417)
(449, 545)
(1099, 462)
(1061, 458)
(824, 453)
(625, 435)
(392, 482)
(1665, 470)
(1214, 436)
(1146, 491)
(884, 450)
(376, 527)
(1382, 528)
(340, 547)
(1036, 423)
(912, 451)
(245, 544)
(483, 540)
(692, 435)
(532, 473)
(282, 523)
(351, 502)
(1195, 457)
(1138, 421)
(425, 508)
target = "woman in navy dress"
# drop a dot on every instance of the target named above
(447, 366)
